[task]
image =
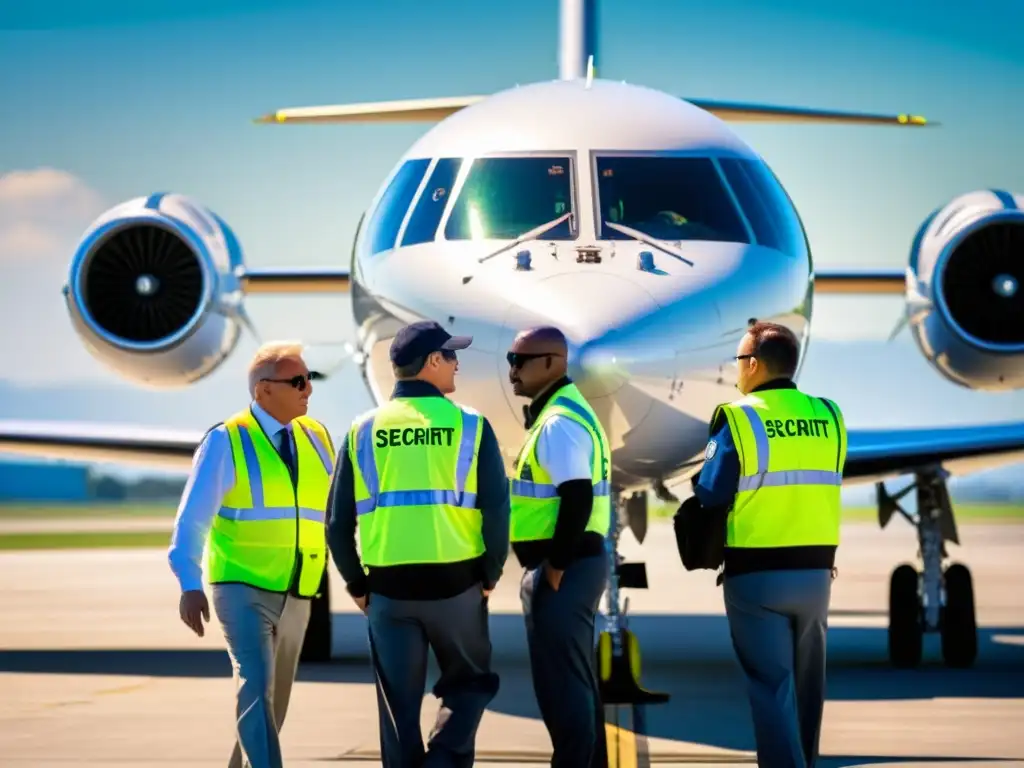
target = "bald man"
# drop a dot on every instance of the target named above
(561, 512)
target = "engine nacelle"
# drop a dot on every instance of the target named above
(153, 291)
(965, 290)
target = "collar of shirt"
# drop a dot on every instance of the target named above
(775, 384)
(270, 425)
(415, 388)
(532, 411)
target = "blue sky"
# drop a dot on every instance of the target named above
(123, 99)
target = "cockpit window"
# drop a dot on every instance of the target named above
(505, 197)
(668, 198)
(422, 226)
(768, 208)
(382, 228)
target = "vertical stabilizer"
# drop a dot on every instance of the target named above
(577, 37)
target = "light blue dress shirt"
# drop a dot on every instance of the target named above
(212, 476)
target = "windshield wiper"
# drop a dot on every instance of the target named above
(636, 234)
(532, 234)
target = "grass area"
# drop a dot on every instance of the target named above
(87, 511)
(83, 540)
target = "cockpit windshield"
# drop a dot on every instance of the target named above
(504, 197)
(668, 198)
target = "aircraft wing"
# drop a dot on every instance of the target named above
(741, 112)
(435, 109)
(294, 280)
(874, 455)
(84, 442)
(891, 281)
(400, 111)
(871, 454)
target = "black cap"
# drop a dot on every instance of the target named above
(420, 339)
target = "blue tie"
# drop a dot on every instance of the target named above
(286, 452)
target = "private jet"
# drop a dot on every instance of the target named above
(638, 222)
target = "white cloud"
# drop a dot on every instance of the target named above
(43, 212)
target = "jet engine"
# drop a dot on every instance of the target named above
(965, 290)
(153, 290)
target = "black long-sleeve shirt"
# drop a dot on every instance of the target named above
(427, 581)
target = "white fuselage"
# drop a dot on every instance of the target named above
(652, 338)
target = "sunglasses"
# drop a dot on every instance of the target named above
(519, 359)
(744, 357)
(298, 382)
(449, 355)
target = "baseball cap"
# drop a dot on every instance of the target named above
(420, 339)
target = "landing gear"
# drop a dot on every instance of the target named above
(316, 646)
(932, 599)
(618, 651)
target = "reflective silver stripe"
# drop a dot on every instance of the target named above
(253, 465)
(425, 497)
(789, 477)
(262, 513)
(321, 449)
(531, 490)
(416, 499)
(760, 438)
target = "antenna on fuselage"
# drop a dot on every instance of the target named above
(577, 39)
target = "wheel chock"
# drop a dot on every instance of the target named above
(619, 674)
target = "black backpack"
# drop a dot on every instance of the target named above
(700, 535)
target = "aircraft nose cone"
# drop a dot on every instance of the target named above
(590, 308)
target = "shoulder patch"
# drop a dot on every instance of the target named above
(710, 450)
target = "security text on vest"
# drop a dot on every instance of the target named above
(394, 437)
(796, 428)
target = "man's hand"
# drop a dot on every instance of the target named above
(486, 592)
(193, 608)
(363, 602)
(553, 575)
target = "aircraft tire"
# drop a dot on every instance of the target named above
(905, 628)
(959, 628)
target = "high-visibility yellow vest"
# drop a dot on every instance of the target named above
(267, 533)
(792, 450)
(534, 497)
(415, 461)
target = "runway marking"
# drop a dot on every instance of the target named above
(543, 757)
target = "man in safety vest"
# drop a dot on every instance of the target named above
(423, 481)
(561, 513)
(774, 465)
(257, 498)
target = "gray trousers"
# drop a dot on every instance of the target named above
(456, 629)
(778, 622)
(264, 633)
(560, 638)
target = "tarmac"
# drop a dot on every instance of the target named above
(96, 668)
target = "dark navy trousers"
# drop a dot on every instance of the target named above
(560, 637)
(778, 621)
(456, 630)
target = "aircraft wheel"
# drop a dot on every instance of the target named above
(316, 646)
(959, 629)
(905, 629)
